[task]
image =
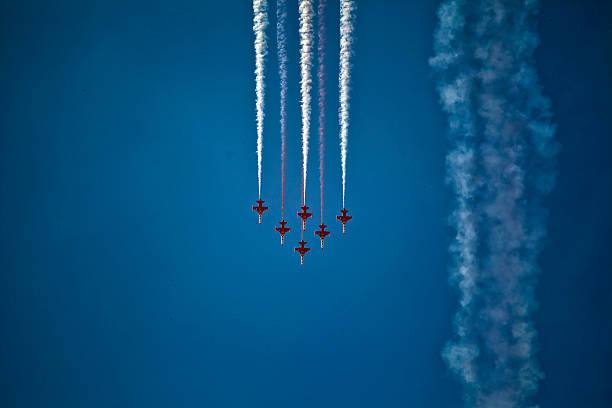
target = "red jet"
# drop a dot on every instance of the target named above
(344, 218)
(260, 208)
(304, 216)
(322, 234)
(283, 230)
(302, 250)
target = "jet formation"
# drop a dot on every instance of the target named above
(304, 215)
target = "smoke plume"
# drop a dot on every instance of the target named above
(306, 43)
(347, 10)
(322, 94)
(281, 41)
(500, 166)
(260, 22)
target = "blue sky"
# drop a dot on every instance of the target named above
(133, 271)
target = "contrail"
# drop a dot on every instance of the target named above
(306, 43)
(260, 22)
(281, 41)
(500, 166)
(347, 9)
(322, 94)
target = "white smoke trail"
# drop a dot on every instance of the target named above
(322, 94)
(306, 43)
(347, 9)
(260, 22)
(500, 167)
(281, 41)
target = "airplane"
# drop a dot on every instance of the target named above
(260, 209)
(344, 218)
(283, 230)
(322, 234)
(302, 250)
(304, 216)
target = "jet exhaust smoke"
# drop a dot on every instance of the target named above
(347, 10)
(322, 94)
(500, 166)
(281, 41)
(306, 43)
(260, 22)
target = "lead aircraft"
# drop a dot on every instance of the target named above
(302, 250)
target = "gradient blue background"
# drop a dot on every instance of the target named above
(133, 273)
